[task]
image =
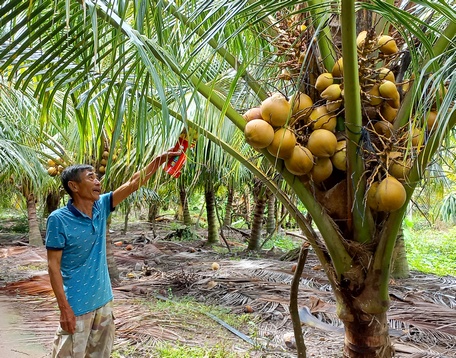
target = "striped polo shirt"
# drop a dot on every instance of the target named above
(83, 240)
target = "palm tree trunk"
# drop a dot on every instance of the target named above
(271, 219)
(366, 336)
(34, 228)
(228, 206)
(184, 203)
(212, 230)
(52, 202)
(400, 267)
(112, 265)
(127, 214)
(257, 223)
(248, 208)
(151, 215)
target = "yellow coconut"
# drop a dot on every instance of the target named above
(252, 113)
(331, 93)
(430, 120)
(275, 110)
(361, 39)
(374, 96)
(388, 89)
(52, 171)
(323, 81)
(339, 159)
(105, 154)
(417, 137)
(390, 194)
(388, 113)
(321, 119)
(283, 143)
(371, 198)
(321, 170)
(385, 73)
(338, 68)
(103, 161)
(322, 143)
(387, 45)
(60, 168)
(258, 133)
(301, 104)
(384, 128)
(399, 167)
(51, 163)
(332, 106)
(300, 162)
(102, 169)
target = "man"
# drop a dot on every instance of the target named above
(76, 251)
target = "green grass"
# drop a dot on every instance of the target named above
(431, 251)
(167, 350)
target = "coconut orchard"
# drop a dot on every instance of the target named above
(307, 130)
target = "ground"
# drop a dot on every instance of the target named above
(165, 284)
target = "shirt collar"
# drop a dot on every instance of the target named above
(75, 211)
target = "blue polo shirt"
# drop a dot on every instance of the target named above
(83, 240)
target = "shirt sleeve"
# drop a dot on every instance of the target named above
(55, 239)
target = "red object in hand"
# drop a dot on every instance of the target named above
(175, 164)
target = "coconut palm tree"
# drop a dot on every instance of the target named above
(131, 66)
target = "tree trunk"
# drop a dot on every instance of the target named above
(34, 227)
(248, 209)
(259, 193)
(151, 215)
(184, 204)
(399, 264)
(212, 230)
(366, 336)
(228, 206)
(127, 214)
(112, 265)
(271, 219)
(52, 202)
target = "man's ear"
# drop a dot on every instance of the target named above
(73, 186)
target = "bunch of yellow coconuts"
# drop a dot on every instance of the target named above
(278, 125)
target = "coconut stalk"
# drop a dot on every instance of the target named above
(359, 221)
(320, 13)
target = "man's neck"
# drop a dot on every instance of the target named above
(84, 206)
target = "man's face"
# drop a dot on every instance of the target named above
(88, 188)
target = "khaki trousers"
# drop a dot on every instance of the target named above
(94, 336)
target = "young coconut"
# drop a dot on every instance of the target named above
(275, 110)
(384, 128)
(338, 68)
(385, 73)
(388, 113)
(52, 171)
(322, 143)
(361, 39)
(430, 120)
(339, 159)
(324, 81)
(321, 119)
(390, 194)
(399, 167)
(301, 104)
(300, 162)
(332, 92)
(258, 133)
(283, 143)
(321, 170)
(373, 95)
(387, 45)
(252, 113)
(371, 199)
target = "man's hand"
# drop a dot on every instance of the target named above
(68, 320)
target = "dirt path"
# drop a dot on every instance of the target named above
(15, 342)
